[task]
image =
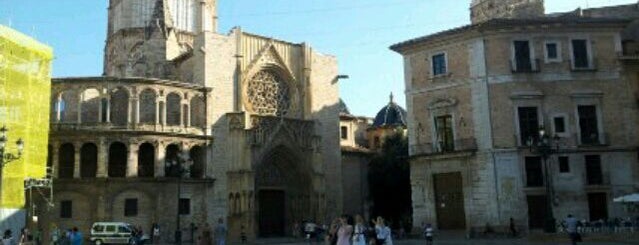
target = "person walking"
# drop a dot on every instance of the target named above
(359, 231)
(7, 238)
(571, 228)
(345, 231)
(428, 233)
(220, 232)
(383, 233)
(77, 237)
(156, 233)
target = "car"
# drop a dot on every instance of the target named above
(112, 233)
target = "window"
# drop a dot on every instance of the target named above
(594, 175)
(564, 165)
(444, 127)
(184, 206)
(66, 209)
(560, 125)
(110, 228)
(98, 228)
(528, 124)
(552, 52)
(439, 64)
(580, 55)
(130, 207)
(588, 125)
(522, 56)
(123, 229)
(344, 132)
(534, 172)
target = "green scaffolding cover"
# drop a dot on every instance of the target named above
(25, 92)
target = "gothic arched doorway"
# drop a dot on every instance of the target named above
(283, 185)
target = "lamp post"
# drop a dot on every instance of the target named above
(179, 169)
(544, 148)
(5, 157)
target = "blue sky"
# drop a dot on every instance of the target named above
(358, 32)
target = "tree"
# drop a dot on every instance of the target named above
(389, 182)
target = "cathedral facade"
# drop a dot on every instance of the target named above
(188, 125)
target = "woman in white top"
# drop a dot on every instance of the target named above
(358, 232)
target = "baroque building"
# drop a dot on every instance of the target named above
(188, 125)
(480, 95)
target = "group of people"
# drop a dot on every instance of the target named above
(218, 234)
(67, 237)
(26, 237)
(348, 231)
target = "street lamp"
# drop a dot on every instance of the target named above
(5, 157)
(544, 148)
(179, 170)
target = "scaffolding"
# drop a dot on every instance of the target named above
(25, 92)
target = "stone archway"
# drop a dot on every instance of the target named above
(282, 182)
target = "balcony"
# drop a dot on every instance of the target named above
(461, 145)
(593, 140)
(526, 67)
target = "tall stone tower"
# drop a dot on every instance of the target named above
(483, 10)
(148, 38)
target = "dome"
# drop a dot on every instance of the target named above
(343, 109)
(391, 115)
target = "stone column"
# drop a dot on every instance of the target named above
(157, 111)
(136, 103)
(132, 162)
(76, 165)
(55, 163)
(79, 105)
(159, 160)
(58, 115)
(182, 114)
(103, 153)
(108, 109)
(131, 111)
(187, 115)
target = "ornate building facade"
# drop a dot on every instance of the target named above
(188, 125)
(481, 96)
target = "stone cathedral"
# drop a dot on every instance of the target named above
(188, 125)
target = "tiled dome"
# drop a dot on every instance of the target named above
(391, 115)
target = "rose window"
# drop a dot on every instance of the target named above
(268, 94)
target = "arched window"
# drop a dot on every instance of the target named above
(173, 108)
(172, 161)
(90, 106)
(117, 160)
(119, 106)
(68, 107)
(88, 160)
(197, 154)
(197, 112)
(147, 107)
(146, 160)
(66, 161)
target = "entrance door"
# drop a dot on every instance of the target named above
(449, 201)
(536, 211)
(271, 213)
(598, 206)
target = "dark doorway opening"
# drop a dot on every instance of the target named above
(449, 201)
(271, 213)
(536, 211)
(598, 206)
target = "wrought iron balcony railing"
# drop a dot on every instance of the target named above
(461, 145)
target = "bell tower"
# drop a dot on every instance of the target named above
(483, 10)
(144, 37)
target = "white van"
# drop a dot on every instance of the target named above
(112, 233)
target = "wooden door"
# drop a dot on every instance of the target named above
(271, 213)
(536, 211)
(449, 201)
(598, 206)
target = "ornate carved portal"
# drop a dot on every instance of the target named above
(283, 193)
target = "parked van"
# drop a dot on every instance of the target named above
(112, 233)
